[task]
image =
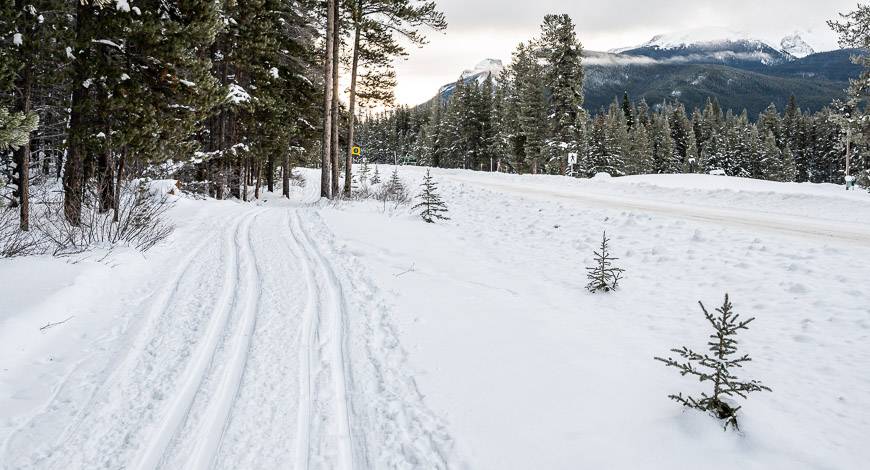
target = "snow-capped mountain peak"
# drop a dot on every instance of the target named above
(694, 37)
(795, 45)
(493, 66)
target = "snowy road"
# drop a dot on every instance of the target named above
(756, 220)
(241, 359)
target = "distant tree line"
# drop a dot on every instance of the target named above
(530, 119)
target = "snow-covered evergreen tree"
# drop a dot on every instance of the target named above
(530, 105)
(640, 152)
(683, 136)
(563, 80)
(662, 145)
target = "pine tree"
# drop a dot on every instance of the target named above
(376, 177)
(530, 106)
(640, 153)
(683, 136)
(394, 189)
(603, 276)
(563, 80)
(770, 122)
(616, 142)
(772, 161)
(717, 367)
(364, 172)
(754, 154)
(662, 145)
(627, 110)
(431, 206)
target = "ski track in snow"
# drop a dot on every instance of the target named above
(258, 352)
(382, 419)
(240, 272)
(323, 329)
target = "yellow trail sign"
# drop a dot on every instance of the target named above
(356, 151)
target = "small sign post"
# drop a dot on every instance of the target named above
(572, 161)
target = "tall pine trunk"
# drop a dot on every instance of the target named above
(117, 202)
(73, 174)
(270, 173)
(325, 161)
(285, 176)
(246, 174)
(334, 147)
(106, 177)
(351, 118)
(22, 155)
(259, 180)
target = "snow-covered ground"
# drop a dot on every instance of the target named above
(293, 334)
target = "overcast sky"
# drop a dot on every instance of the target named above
(480, 29)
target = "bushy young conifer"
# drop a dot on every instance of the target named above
(431, 206)
(717, 367)
(603, 276)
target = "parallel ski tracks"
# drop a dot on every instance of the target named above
(238, 288)
(323, 323)
(162, 301)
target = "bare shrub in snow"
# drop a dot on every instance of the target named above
(297, 179)
(603, 276)
(140, 222)
(717, 367)
(13, 241)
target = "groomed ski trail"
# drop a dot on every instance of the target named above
(267, 347)
(325, 323)
(179, 407)
(381, 418)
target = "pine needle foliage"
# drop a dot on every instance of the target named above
(431, 206)
(717, 367)
(15, 128)
(376, 177)
(604, 276)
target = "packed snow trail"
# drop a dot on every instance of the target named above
(242, 359)
(329, 300)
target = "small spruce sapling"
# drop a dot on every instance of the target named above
(364, 172)
(376, 177)
(717, 367)
(431, 206)
(393, 190)
(603, 276)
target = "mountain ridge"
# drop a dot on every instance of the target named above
(732, 67)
